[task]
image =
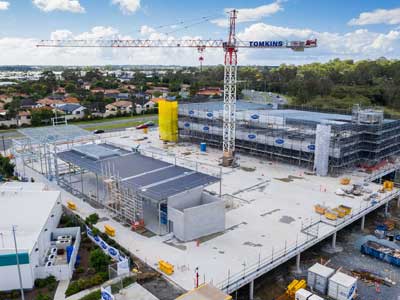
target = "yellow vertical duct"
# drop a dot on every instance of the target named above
(168, 120)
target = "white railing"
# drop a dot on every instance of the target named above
(262, 265)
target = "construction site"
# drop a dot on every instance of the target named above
(170, 200)
(285, 181)
(324, 142)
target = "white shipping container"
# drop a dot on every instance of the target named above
(342, 286)
(303, 294)
(315, 297)
(318, 276)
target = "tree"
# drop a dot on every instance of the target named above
(6, 167)
(99, 260)
(70, 88)
(41, 116)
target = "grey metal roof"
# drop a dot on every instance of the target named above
(51, 134)
(149, 177)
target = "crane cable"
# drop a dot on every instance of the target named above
(194, 21)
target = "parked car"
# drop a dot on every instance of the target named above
(98, 131)
(142, 126)
(149, 123)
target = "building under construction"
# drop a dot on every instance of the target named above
(148, 190)
(325, 142)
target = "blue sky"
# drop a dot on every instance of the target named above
(358, 29)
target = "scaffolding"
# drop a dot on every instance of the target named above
(290, 135)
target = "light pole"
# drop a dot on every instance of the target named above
(18, 266)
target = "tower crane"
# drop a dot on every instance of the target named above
(230, 47)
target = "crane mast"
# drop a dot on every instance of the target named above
(230, 48)
(230, 79)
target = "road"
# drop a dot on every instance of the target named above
(113, 122)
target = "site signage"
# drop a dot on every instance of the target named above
(107, 249)
(266, 44)
(106, 294)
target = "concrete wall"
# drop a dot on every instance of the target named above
(62, 271)
(204, 220)
(195, 214)
(177, 218)
(9, 279)
(186, 199)
(43, 242)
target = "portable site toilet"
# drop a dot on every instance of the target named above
(342, 286)
(318, 277)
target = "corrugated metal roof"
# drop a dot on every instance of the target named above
(150, 177)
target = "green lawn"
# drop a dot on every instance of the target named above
(112, 119)
(114, 126)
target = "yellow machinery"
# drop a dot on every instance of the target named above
(165, 267)
(109, 230)
(320, 209)
(168, 120)
(294, 286)
(71, 205)
(388, 185)
(345, 181)
(347, 209)
(341, 213)
(331, 215)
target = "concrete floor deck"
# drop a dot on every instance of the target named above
(270, 217)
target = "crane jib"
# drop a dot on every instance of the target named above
(266, 43)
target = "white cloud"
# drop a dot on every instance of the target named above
(251, 14)
(4, 5)
(127, 6)
(379, 16)
(63, 5)
(146, 30)
(357, 44)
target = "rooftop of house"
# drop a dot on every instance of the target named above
(47, 101)
(71, 100)
(121, 103)
(69, 107)
(29, 211)
(111, 91)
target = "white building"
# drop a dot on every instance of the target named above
(35, 213)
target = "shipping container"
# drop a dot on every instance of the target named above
(315, 297)
(342, 286)
(318, 276)
(382, 252)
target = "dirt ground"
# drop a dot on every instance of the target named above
(273, 284)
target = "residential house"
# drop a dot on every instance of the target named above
(57, 97)
(97, 90)
(27, 103)
(87, 86)
(6, 98)
(71, 100)
(24, 118)
(60, 90)
(210, 91)
(118, 107)
(158, 90)
(111, 93)
(72, 111)
(47, 102)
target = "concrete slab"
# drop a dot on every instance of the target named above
(270, 215)
(135, 291)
